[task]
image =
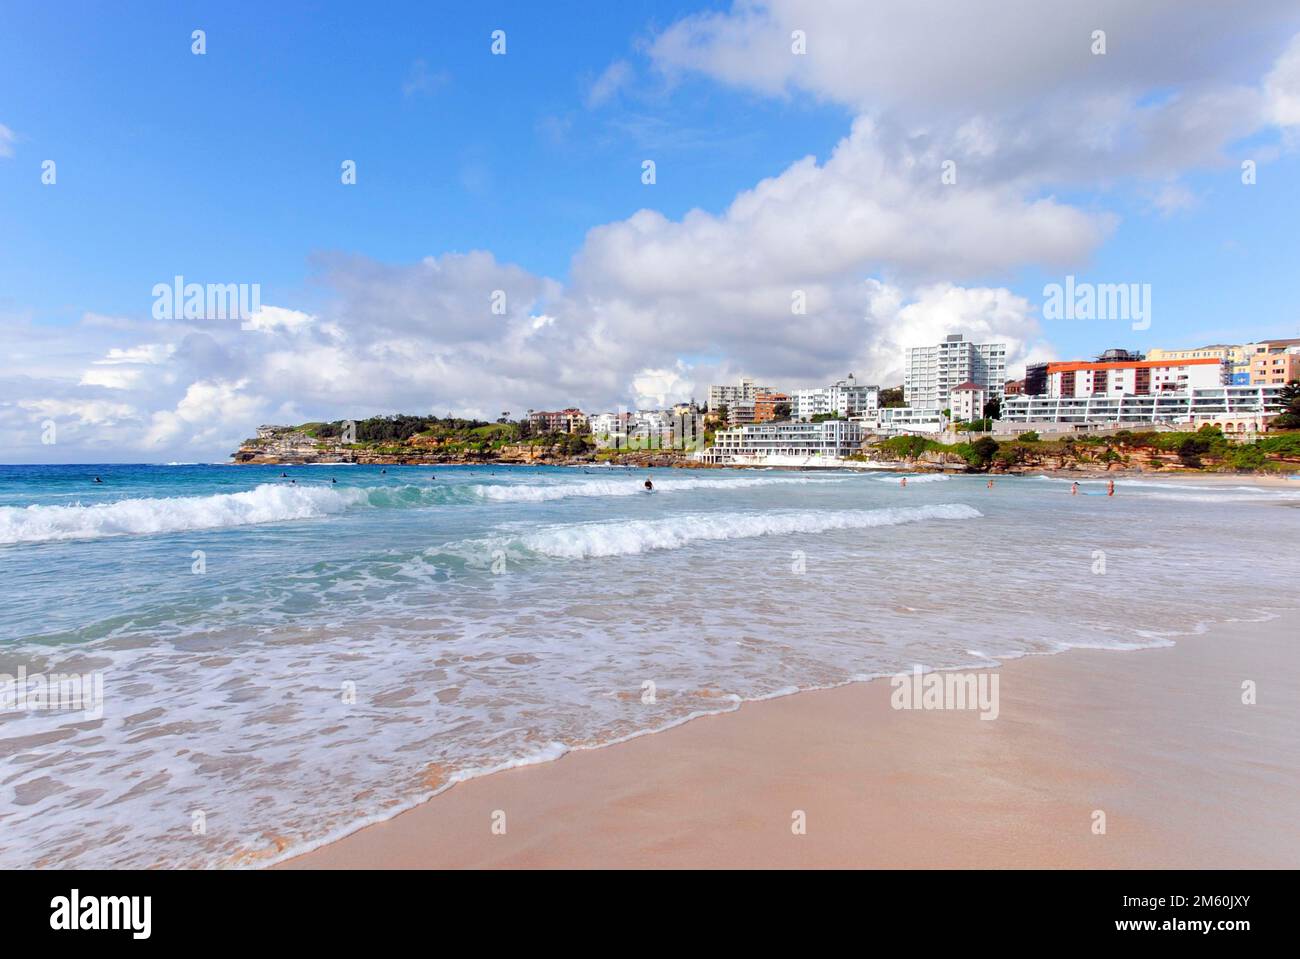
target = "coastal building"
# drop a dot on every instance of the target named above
(1133, 377)
(767, 406)
(1276, 363)
(846, 397)
(741, 412)
(967, 402)
(648, 429)
(905, 420)
(931, 373)
(829, 439)
(1239, 358)
(746, 391)
(1013, 387)
(1236, 407)
(571, 420)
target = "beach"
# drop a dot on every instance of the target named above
(1159, 740)
(280, 658)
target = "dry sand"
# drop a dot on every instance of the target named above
(1159, 740)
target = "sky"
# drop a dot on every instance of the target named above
(833, 182)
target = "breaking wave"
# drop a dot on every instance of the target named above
(264, 504)
(626, 487)
(623, 538)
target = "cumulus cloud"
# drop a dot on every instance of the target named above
(973, 120)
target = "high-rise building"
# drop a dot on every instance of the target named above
(933, 372)
(744, 392)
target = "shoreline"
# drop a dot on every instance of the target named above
(890, 788)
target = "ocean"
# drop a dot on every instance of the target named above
(287, 657)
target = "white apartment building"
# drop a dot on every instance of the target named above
(903, 420)
(847, 397)
(827, 439)
(933, 372)
(967, 403)
(729, 396)
(1215, 404)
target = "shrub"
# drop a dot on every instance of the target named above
(1030, 437)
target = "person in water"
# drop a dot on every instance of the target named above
(1110, 487)
(1074, 489)
(990, 482)
(903, 482)
(649, 486)
(98, 480)
(333, 480)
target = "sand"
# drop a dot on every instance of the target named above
(1158, 740)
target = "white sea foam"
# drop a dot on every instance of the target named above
(925, 478)
(264, 504)
(628, 487)
(585, 540)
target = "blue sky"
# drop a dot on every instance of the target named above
(225, 168)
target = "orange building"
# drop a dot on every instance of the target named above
(765, 405)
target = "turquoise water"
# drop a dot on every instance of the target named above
(290, 656)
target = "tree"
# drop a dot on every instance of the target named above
(781, 411)
(982, 452)
(993, 409)
(891, 397)
(1290, 397)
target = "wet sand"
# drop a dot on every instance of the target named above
(1158, 740)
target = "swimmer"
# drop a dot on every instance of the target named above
(990, 482)
(1110, 487)
(903, 482)
(98, 480)
(1074, 489)
(333, 480)
(649, 486)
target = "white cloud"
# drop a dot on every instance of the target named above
(110, 379)
(151, 353)
(211, 411)
(1282, 86)
(611, 80)
(6, 141)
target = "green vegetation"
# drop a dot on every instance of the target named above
(1029, 437)
(401, 434)
(892, 397)
(822, 417)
